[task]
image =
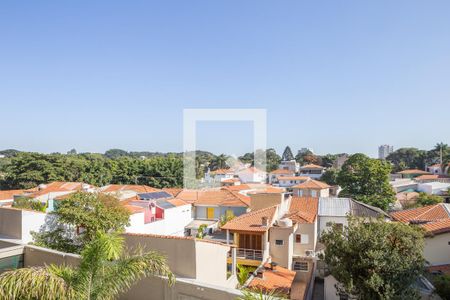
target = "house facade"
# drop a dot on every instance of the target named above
(312, 171)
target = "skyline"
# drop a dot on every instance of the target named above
(340, 77)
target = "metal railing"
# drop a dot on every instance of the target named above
(248, 254)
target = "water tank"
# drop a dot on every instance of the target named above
(285, 222)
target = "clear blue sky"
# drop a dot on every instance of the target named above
(336, 76)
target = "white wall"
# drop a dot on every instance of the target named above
(437, 249)
(323, 220)
(31, 221)
(175, 219)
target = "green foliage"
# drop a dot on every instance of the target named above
(272, 158)
(242, 274)
(27, 170)
(407, 158)
(330, 176)
(367, 180)
(442, 285)
(28, 203)
(219, 162)
(105, 271)
(287, 154)
(201, 231)
(424, 199)
(308, 157)
(374, 259)
(224, 219)
(89, 213)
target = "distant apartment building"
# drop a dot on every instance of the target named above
(384, 151)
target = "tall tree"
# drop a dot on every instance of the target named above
(105, 271)
(367, 180)
(287, 154)
(87, 213)
(375, 259)
(219, 162)
(407, 158)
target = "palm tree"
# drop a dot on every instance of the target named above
(260, 294)
(219, 162)
(105, 271)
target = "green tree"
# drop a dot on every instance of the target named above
(287, 154)
(442, 285)
(330, 176)
(115, 153)
(434, 155)
(259, 294)
(407, 158)
(28, 203)
(87, 213)
(367, 180)
(424, 199)
(219, 162)
(105, 271)
(308, 157)
(374, 259)
(242, 274)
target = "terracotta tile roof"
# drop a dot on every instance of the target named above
(252, 221)
(312, 184)
(9, 194)
(177, 202)
(219, 197)
(57, 186)
(428, 213)
(311, 166)
(231, 180)
(293, 178)
(443, 268)
(282, 171)
(441, 226)
(128, 187)
(133, 209)
(267, 190)
(239, 187)
(251, 170)
(303, 209)
(413, 171)
(280, 280)
(173, 191)
(430, 177)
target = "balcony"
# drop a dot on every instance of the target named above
(250, 254)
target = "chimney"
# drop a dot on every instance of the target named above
(264, 221)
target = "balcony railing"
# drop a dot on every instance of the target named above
(248, 254)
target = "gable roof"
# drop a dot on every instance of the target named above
(282, 171)
(312, 184)
(222, 171)
(55, 187)
(111, 188)
(429, 213)
(280, 280)
(311, 166)
(430, 177)
(341, 207)
(252, 221)
(303, 209)
(219, 197)
(441, 226)
(293, 178)
(9, 194)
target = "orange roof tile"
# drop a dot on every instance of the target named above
(177, 202)
(413, 171)
(441, 226)
(219, 197)
(173, 191)
(312, 184)
(231, 180)
(239, 187)
(430, 177)
(9, 194)
(252, 221)
(280, 280)
(128, 187)
(268, 190)
(428, 213)
(303, 209)
(56, 186)
(311, 166)
(222, 171)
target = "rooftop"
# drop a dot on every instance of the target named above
(312, 166)
(312, 184)
(252, 221)
(279, 280)
(303, 209)
(428, 213)
(413, 171)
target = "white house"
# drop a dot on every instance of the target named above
(219, 175)
(276, 174)
(290, 165)
(311, 170)
(290, 181)
(252, 175)
(311, 188)
(434, 188)
(158, 213)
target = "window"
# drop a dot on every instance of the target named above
(301, 266)
(313, 194)
(279, 242)
(298, 238)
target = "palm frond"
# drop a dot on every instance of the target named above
(34, 283)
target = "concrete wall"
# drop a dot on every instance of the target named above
(37, 256)
(211, 263)
(155, 288)
(219, 211)
(282, 254)
(323, 220)
(437, 249)
(305, 229)
(180, 252)
(11, 222)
